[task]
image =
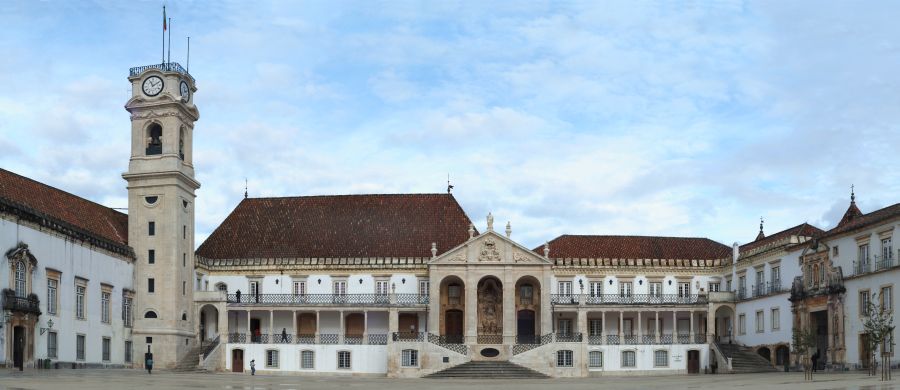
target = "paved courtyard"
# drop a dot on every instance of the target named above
(134, 379)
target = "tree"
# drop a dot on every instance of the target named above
(878, 322)
(802, 341)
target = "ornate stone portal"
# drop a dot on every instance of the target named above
(490, 308)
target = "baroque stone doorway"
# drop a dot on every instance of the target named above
(490, 311)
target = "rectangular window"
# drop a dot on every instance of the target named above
(864, 253)
(381, 287)
(299, 288)
(628, 327)
(307, 360)
(453, 294)
(742, 324)
(254, 288)
(79, 347)
(760, 282)
(127, 310)
(742, 285)
(52, 295)
(776, 278)
(104, 307)
(565, 288)
(655, 289)
(661, 358)
(424, 285)
(79, 302)
(127, 351)
(271, 358)
(628, 358)
(184, 231)
(596, 289)
(864, 303)
(886, 249)
(564, 327)
(595, 359)
(714, 286)
(776, 320)
(684, 290)
(728, 285)
(625, 289)
(834, 251)
(51, 344)
(526, 294)
(887, 299)
(595, 327)
(343, 358)
(183, 288)
(105, 345)
(409, 358)
(151, 285)
(151, 228)
(564, 358)
(184, 259)
(151, 256)
(340, 288)
(760, 321)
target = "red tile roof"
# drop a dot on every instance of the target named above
(339, 226)
(860, 220)
(635, 247)
(803, 230)
(62, 210)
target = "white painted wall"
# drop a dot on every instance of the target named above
(364, 359)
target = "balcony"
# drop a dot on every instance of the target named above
(327, 300)
(28, 305)
(875, 264)
(630, 299)
(309, 339)
(164, 67)
(761, 290)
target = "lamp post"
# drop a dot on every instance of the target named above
(49, 326)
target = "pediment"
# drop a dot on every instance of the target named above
(490, 248)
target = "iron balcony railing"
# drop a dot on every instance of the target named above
(30, 304)
(627, 299)
(324, 338)
(490, 339)
(165, 67)
(875, 264)
(648, 339)
(568, 337)
(327, 299)
(408, 336)
(761, 290)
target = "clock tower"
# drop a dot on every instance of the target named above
(161, 196)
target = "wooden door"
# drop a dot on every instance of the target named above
(525, 327)
(453, 326)
(865, 356)
(408, 323)
(19, 347)
(255, 330)
(237, 360)
(693, 363)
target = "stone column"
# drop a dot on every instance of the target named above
(434, 303)
(640, 328)
(691, 332)
(365, 333)
(621, 326)
(294, 327)
(546, 307)
(341, 337)
(656, 325)
(271, 325)
(509, 307)
(249, 331)
(318, 328)
(582, 323)
(710, 324)
(471, 314)
(393, 322)
(674, 325)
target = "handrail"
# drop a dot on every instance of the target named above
(165, 67)
(327, 299)
(627, 299)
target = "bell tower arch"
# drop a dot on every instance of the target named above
(161, 193)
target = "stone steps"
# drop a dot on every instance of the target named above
(744, 360)
(488, 370)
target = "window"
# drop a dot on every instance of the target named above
(728, 285)
(834, 251)
(453, 294)
(79, 302)
(79, 347)
(184, 318)
(424, 285)
(184, 231)
(183, 288)
(151, 285)
(154, 146)
(254, 288)
(596, 289)
(565, 288)
(595, 327)
(595, 359)
(628, 359)
(742, 324)
(127, 351)
(714, 286)
(51, 344)
(271, 358)
(655, 289)
(564, 327)
(151, 256)
(222, 287)
(887, 299)
(776, 278)
(299, 288)
(52, 296)
(776, 320)
(564, 358)
(821, 275)
(184, 259)
(105, 345)
(343, 358)
(760, 281)
(340, 287)
(409, 358)
(628, 327)
(151, 228)
(127, 310)
(307, 360)
(150, 314)
(760, 321)
(526, 294)
(625, 289)
(381, 287)
(104, 307)
(661, 358)
(684, 290)
(21, 285)
(742, 285)
(886, 249)
(181, 143)
(864, 253)
(864, 303)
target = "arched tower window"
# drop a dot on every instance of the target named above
(222, 287)
(181, 143)
(150, 314)
(154, 139)
(20, 279)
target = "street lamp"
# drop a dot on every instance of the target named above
(49, 326)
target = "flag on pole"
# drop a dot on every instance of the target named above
(164, 18)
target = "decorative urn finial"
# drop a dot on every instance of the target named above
(508, 229)
(433, 250)
(471, 231)
(547, 249)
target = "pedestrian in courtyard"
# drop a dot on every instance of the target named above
(253, 367)
(283, 335)
(815, 359)
(149, 364)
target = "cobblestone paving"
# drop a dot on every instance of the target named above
(134, 379)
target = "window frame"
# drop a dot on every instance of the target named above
(52, 344)
(106, 349)
(760, 321)
(776, 318)
(312, 359)
(269, 358)
(864, 303)
(565, 358)
(105, 306)
(80, 299)
(80, 347)
(886, 291)
(128, 351)
(625, 359)
(341, 359)
(20, 275)
(656, 357)
(591, 359)
(52, 296)
(742, 324)
(424, 287)
(409, 358)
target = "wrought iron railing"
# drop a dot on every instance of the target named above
(237, 338)
(684, 338)
(306, 339)
(326, 299)
(378, 339)
(30, 304)
(648, 339)
(595, 339)
(409, 336)
(628, 299)
(282, 339)
(329, 338)
(666, 338)
(630, 339)
(612, 339)
(568, 337)
(490, 339)
(761, 290)
(699, 338)
(875, 263)
(354, 339)
(452, 343)
(532, 343)
(528, 339)
(209, 346)
(165, 67)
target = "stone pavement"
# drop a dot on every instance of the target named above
(134, 379)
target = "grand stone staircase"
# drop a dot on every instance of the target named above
(744, 360)
(191, 360)
(487, 370)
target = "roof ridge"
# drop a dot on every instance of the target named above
(633, 235)
(349, 195)
(63, 191)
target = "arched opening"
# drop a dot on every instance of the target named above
(724, 324)
(21, 281)
(154, 139)
(150, 314)
(209, 322)
(528, 310)
(453, 305)
(353, 327)
(490, 310)
(181, 143)
(782, 355)
(222, 287)
(237, 360)
(765, 352)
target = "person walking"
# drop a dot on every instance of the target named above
(283, 335)
(253, 367)
(149, 364)
(815, 359)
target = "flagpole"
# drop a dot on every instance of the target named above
(164, 37)
(189, 56)
(170, 40)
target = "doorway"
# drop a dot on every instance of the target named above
(525, 327)
(693, 363)
(819, 324)
(408, 323)
(453, 325)
(19, 347)
(237, 360)
(254, 330)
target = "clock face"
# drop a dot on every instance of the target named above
(185, 91)
(152, 86)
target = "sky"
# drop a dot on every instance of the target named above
(676, 118)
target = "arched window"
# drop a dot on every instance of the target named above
(822, 274)
(816, 275)
(181, 143)
(150, 314)
(20, 279)
(184, 316)
(154, 139)
(222, 287)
